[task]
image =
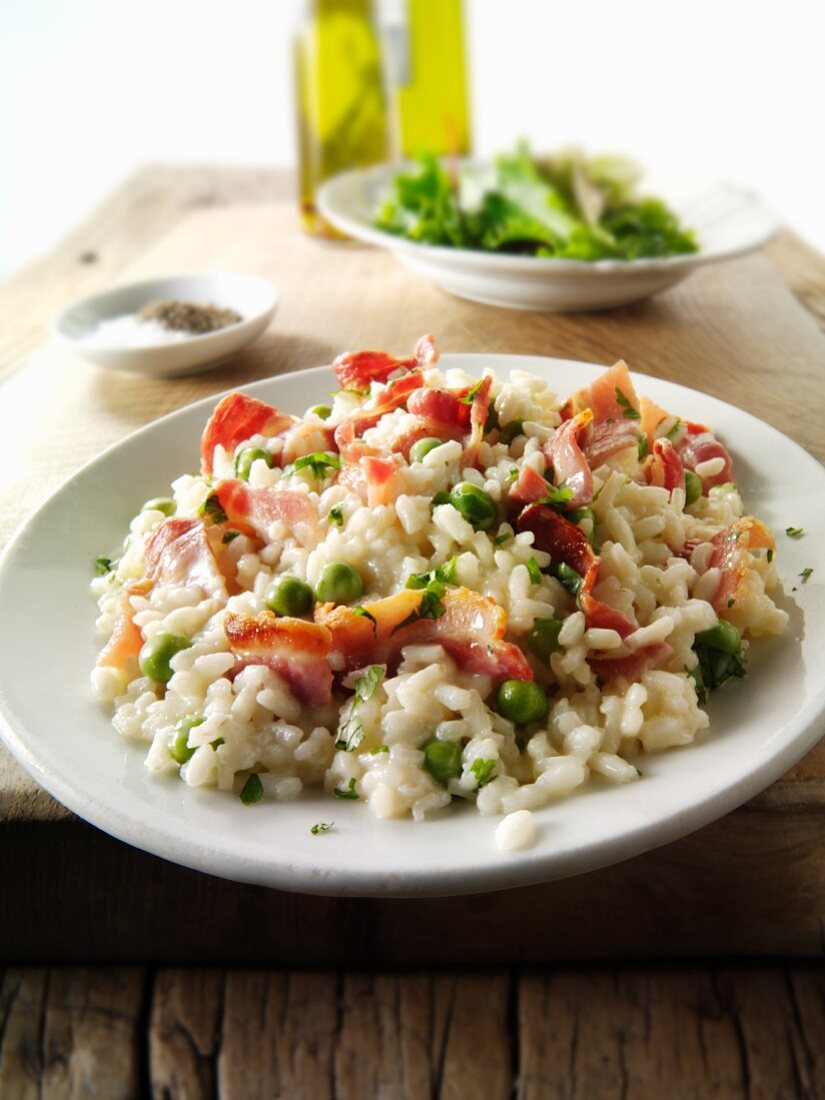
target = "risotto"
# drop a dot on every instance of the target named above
(435, 587)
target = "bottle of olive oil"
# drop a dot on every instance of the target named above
(427, 75)
(340, 95)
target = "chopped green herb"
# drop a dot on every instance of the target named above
(533, 571)
(731, 602)
(353, 393)
(467, 399)
(642, 448)
(441, 498)
(445, 573)
(103, 565)
(321, 827)
(805, 574)
(628, 412)
(336, 515)
(503, 538)
(671, 434)
(568, 577)
(430, 607)
(513, 475)
(770, 556)
(483, 771)
(351, 728)
(721, 657)
(379, 749)
(557, 497)
(253, 791)
(362, 611)
(320, 463)
(229, 536)
(350, 792)
(794, 532)
(212, 509)
(216, 744)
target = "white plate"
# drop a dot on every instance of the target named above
(728, 223)
(255, 299)
(760, 726)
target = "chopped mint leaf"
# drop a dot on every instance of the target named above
(794, 532)
(253, 791)
(806, 573)
(351, 728)
(350, 792)
(642, 448)
(379, 749)
(467, 399)
(320, 463)
(483, 771)
(352, 392)
(103, 565)
(533, 570)
(770, 556)
(321, 827)
(677, 425)
(503, 538)
(430, 607)
(336, 515)
(628, 412)
(557, 497)
(362, 611)
(229, 536)
(212, 508)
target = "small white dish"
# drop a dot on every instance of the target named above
(728, 223)
(253, 298)
(759, 726)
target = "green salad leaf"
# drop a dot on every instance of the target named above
(568, 206)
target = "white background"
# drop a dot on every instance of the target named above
(89, 89)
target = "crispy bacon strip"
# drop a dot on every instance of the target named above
(253, 511)
(471, 630)
(731, 557)
(701, 445)
(479, 411)
(295, 649)
(528, 487)
(441, 407)
(393, 397)
(570, 467)
(236, 418)
(663, 467)
(355, 370)
(178, 553)
(632, 665)
(379, 474)
(610, 397)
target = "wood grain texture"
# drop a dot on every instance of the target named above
(704, 1032)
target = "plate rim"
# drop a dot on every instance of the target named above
(358, 880)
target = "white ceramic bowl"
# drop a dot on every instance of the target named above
(255, 299)
(728, 223)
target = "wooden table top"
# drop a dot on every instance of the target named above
(749, 332)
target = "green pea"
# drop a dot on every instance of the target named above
(157, 652)
(243, 463)
(160, 504)
(323, 412)
(423, 447)
(723, 637)
(442, 759)
(693, 487)
(339, 583)
(179, 748)
(476, 506)
(521, 701)
(289, 596)
(543, 639)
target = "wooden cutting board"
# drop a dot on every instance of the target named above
(735, 331)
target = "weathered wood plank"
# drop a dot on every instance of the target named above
(184, 1033)
(689, 1034)
(22, 1011)
(92, 1042)
(278, 1035)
